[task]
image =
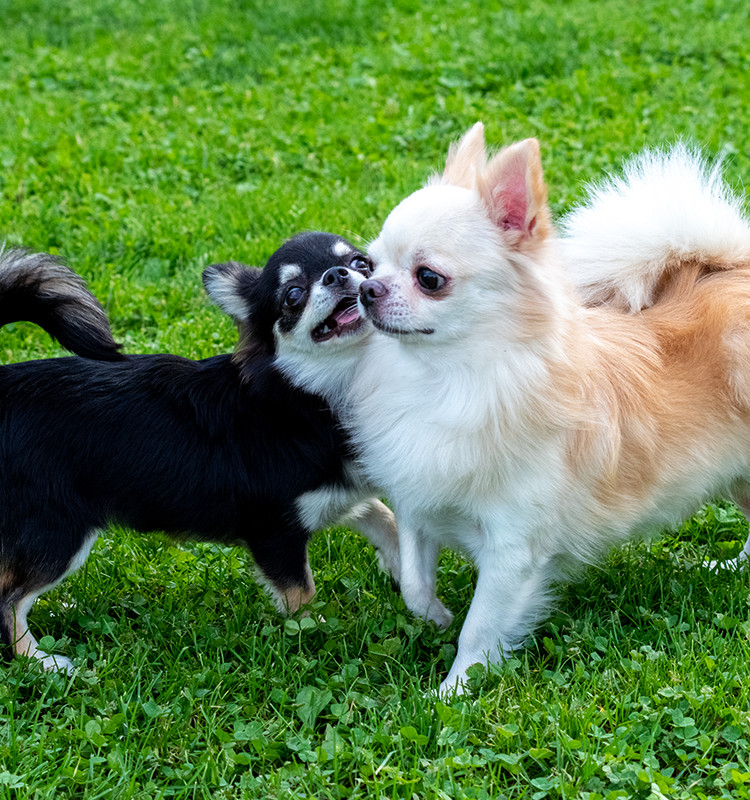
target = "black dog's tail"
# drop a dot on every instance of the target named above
(39, 288)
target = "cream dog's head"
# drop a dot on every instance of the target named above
(454, 256)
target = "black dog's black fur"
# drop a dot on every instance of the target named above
(158, 442)
(220, 449)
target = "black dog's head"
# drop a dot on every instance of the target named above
(304, 299)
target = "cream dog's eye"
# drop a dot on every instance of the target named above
(430, 280)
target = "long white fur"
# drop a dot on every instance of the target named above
(468, 429)
(668, 203)
(463, 428)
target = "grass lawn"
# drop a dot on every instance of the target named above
(145, 140)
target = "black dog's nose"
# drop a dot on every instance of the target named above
(370, 290)
(335, 275)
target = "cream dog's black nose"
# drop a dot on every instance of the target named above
(370, 290)
(337, 276)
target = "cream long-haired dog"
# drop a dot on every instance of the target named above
(534, 401)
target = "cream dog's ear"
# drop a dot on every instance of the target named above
(465, 159)
(513, 190)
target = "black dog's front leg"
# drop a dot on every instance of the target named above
(285, 568)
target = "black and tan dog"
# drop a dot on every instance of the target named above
(222, 449)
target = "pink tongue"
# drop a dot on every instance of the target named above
(347, 315)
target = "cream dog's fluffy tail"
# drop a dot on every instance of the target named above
(669, 208)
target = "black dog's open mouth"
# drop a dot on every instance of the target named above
(344, 319)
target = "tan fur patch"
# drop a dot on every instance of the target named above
(296, 597)
(663, 388)
(7, 581)
(292, 598)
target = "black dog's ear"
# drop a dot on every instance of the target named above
(231, 286)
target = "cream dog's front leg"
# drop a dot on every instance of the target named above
(419, 555)
(512, 593)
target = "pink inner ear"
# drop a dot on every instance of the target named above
(511, 201)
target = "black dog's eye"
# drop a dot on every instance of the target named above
(294, 297)
(361, 264)
(430, 280)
